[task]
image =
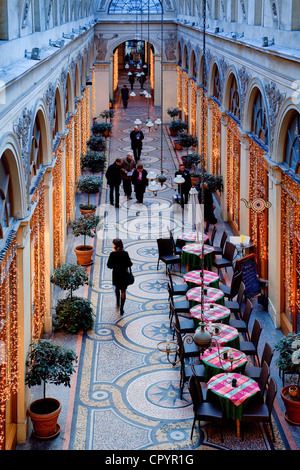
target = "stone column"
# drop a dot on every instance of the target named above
(244, 185)
(102, 86)
(48, 190)
(223, 205)
(169, 89)
(274, 265)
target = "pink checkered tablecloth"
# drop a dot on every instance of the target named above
(211, 294)
(194, 277)
(196, 249)
(226, 333)
(192, 237)
(246, 387)
(211, 357)
(217, 313)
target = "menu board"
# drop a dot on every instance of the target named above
(247, 266)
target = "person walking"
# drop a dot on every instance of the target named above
(119, 261)
(136, 137)
(125, 96)
(140, 182)
(209, 207)
(131, 80)
(127, 168)
(186, 186)
(113, 176)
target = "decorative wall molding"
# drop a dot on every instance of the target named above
(244, 79)
(275, 100)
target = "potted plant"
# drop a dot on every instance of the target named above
(177, 126)
(47, 363)
(112, 103)
(86, 227)
(89, 184)
(93, 161)
(187, 140)
(215, 182)
(73, 314)
(107, 114)
(101, 128)
(289, 363)
(96, 143)
(173, 112)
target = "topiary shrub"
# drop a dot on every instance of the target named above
(73, 315)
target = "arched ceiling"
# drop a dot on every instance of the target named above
(133, 6)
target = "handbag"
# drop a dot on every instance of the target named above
(129, 277)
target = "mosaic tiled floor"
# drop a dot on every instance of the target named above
(127, 395)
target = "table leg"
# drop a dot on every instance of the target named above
(238, 428)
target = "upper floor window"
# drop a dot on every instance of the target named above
(134, 6)
(5, 194)
(259, 120)
(292, 146)
(234, 98)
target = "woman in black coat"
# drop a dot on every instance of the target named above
(119, 261)
(140, 182)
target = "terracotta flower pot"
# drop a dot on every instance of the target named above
(84, 255)
(87, 212)
(173, 133)
(292, 405)
(44, 414)
(177, 146)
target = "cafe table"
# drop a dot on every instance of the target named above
(191, 255)
(190, 237)
(214, 362)
(194, 278)
(211, 295)
(232, 398)
(212, 313)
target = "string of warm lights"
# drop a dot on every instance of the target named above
(77, 143)
(70, 193)
(216, 139)
(233, 173)
(38, 266)
(193, 118)
(203, 126)
(185, 98)
(57, 206)
(88, 131)
(290, 216)
(116, 69)
(258, 223)
(93, 94)
(83, 124)
(179, 88)
(9, 337)
(151, 69)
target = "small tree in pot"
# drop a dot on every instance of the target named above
(89, 184)
(173, 112)
(93, 161)
(107, 114)
(73, 313)
(177, 126)
(48, 363)
(86, 227)
(101, 128)
(96, 143)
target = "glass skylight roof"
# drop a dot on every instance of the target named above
(134, 6)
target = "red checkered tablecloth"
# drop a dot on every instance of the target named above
(217, 313)
(192, 237)
(211, 357)
(194, 277)
(211, 295)
(246, 387)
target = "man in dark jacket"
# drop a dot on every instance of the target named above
(186, 186)
(128, 165)
(113, 175)
(125, 96)
(136, 137)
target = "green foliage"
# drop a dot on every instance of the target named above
(178, 125)
(49, 363)
(98, 128)
(93, 161)
(215, 182)
(70, 277)
(85, 226)
(87, 207)
(284, 361)
(173, 112)
(96, 143)
(73, 315)
(89, 184)
(107, 114)
(187, 140)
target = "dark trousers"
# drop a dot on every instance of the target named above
(139, 194)
(125, 103)
(137, 153)
(127, 187)
(114, 190)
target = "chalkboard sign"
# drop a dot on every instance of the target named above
(247, 266)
